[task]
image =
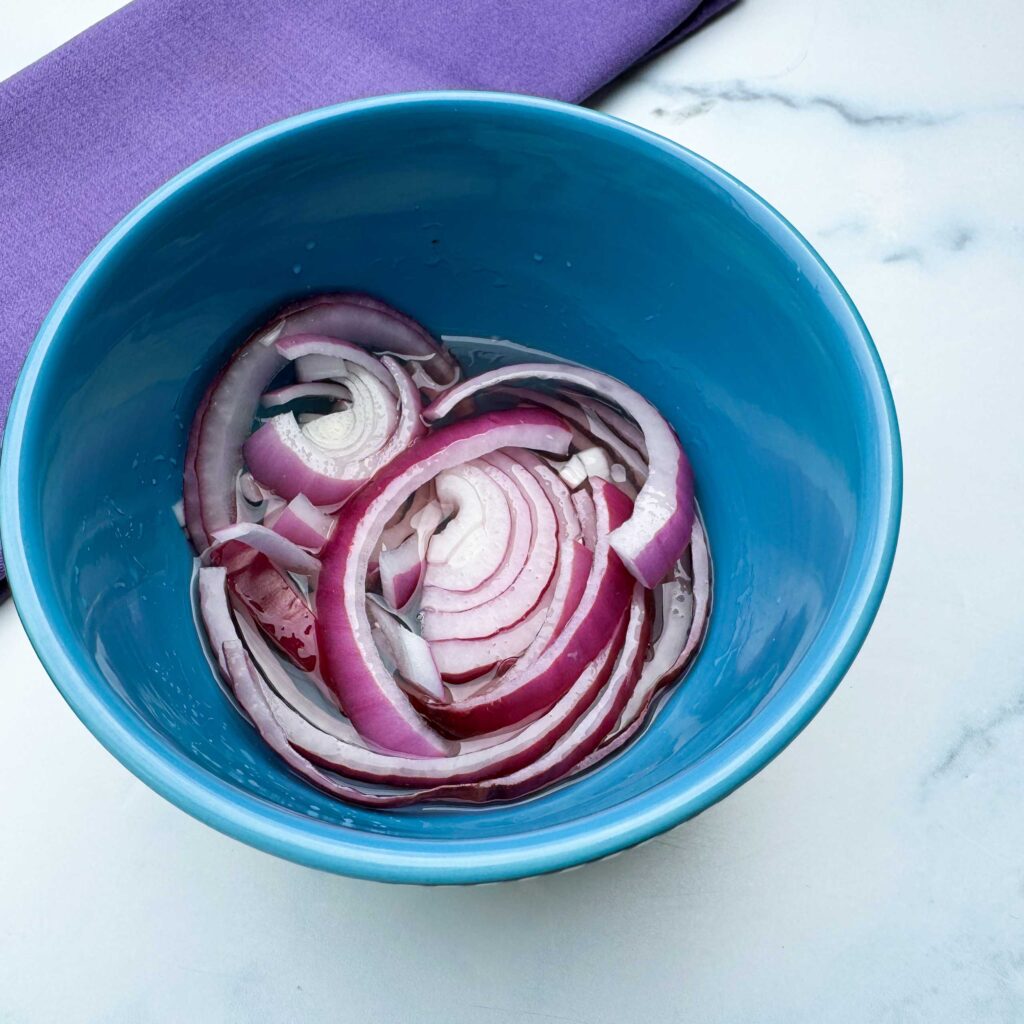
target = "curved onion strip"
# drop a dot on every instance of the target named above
(656, 534)
(613, 419)
(501, 602)
(508, 594)
(191, 504)
(283, 458)
(690, 594)
(585, 735)
(488, 524)
(558, 494)
(256, 699)
(369, 696)
(402, 526)
(222, 427)
(592, 426)
(295, 392)
(330, 719)
(584, 504)
(333, 354)
(284, 553)
(469, 762)
(376, 326)
(537, 681)
(464, 660)
(214, 609)
(504, 752)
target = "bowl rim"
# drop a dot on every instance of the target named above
(274, 829)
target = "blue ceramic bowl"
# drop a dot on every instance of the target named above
(480, 215)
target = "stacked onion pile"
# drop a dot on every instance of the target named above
(487, 582)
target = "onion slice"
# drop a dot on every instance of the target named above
(275, 603)
(291, 459)
(656, 534)
(351, 663)
(284, 553)
(302, 523)
(543, 675)
(401, 568)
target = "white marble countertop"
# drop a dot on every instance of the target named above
(875, 871)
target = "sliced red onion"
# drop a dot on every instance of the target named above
(329, 719)
(558, 494)
(224, 425)
(369, 696)
(508, 594)
(307, 460)
(583, 502)
(582, 739)
(537, 681)
(296, 392)
(686, 605)
(462, 660)
(402, 567)
(332, 747)
(497, 575)
(319, 359)
(374, 325)
(465, 660)
(192, 509)
(250, 490)
(590, 462)
(215, 611)
(502, 766)
(284, 553)
(409, 653)
(477, 540)
(302, 523)
(281, 611)
(273, 510)
(656, 534)
(256, 698)
(592, 427)
(240, 671)
(482, 574)
(224, 416)
(625, 428)
(502, 753)
(401, 526)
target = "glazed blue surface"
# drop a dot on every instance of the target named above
(479, 215)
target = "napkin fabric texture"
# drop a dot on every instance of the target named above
(88, 131)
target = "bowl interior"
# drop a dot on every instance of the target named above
(553, 228)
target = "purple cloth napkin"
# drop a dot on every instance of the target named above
(91, 129)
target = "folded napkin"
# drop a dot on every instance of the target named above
(90, 130)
